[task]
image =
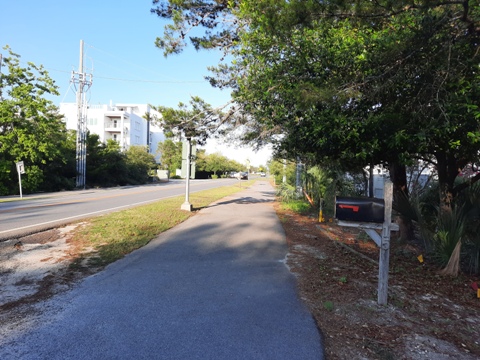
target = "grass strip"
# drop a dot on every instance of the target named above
(112, 236)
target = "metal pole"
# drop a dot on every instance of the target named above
(186, 205)
(384, 261)
(20, 183)
(80, 182)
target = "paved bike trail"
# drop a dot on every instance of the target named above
(214, 287)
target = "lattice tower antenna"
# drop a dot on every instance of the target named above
(82, 83)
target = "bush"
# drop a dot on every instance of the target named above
(298, 206)
(288, 192)
(442, 230)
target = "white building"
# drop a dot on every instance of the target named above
(124, 123)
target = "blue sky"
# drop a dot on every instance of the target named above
(119, 51)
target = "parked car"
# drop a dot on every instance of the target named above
(241, 175)
(262, 174)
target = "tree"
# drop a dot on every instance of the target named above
(106, 164)
(197, 121)
(139, 164)
(359, 83)
(31, 129)
(378, 81)
(374, 82)
(201, 160)
(214, 16)
(216, 162)
(171, 155)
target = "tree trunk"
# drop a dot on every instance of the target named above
(453, 265)
(398, 175)
(448, 170)
(370, 182)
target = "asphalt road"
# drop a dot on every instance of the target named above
(214, 287)
(40, 212)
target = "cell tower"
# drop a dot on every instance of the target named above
(82, 83)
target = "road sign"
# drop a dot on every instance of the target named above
(20, 167)
(20, 170)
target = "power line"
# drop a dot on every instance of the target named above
(122, 59)
(151, 81)
(136, 80)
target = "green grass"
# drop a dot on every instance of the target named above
(328, 305)
(298, 206)
(114, 235)
(15, 199)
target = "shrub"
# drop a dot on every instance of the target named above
(287, 192)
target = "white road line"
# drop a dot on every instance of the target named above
(84, 215)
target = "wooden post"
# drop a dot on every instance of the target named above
(384, 261)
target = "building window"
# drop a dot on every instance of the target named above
(92, 121)
(115, 137)
(115, 123)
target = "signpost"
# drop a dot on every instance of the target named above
(188, 158)
(20, 171)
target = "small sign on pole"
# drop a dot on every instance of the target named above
(20, 171)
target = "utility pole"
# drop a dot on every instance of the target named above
(82, 83)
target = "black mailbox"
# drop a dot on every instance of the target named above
(359, 209)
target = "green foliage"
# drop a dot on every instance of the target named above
(442, 228)
(451, 226)
(470, 199)
(216, 162)
(299, 206)
(317, 181)
(402, 86)
(351, 83)
(31, 129)
(107, 165)
(328, 305)
(171, 155)
(213, 16)
(196, 120)
(287, 192)
(139, 164)
(281, 168)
